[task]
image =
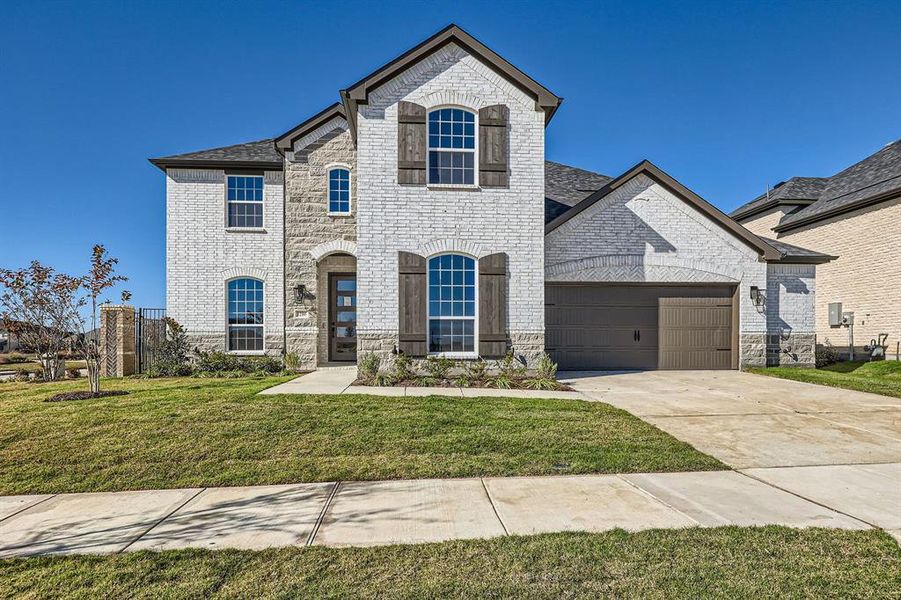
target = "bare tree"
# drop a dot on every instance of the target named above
(41, 307)
(100, 277)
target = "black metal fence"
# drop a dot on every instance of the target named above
(150, 333)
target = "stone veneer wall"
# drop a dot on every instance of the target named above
(202, 254)
(392, 217)
(308, 226)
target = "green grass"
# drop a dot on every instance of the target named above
(35, 367)
(728, 562)
(881, 377)
(213, 432)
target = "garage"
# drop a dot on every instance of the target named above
(594, 326)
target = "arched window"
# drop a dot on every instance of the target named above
(452, 143)
(245, 315)
(452, 304)
(339, 191)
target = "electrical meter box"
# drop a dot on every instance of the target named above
(835, 314)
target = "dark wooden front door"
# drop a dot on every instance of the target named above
(342, 337)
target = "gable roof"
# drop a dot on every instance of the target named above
(797, 191)
(358, 93)
(874, 179)
(285, 141)
(797, 254)
(646, 167)
(260, 154)
(566, 186)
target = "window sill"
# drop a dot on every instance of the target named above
(455, 355)
(245, 229)
(340, 214)
(246, 352)
(453, 187)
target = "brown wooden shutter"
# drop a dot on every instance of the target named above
(412, 148)
(494, 146)
(411, 305)
(493, 305)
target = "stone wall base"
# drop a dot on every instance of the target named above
(752, 350)
(303, 344)
(792, 350)
(217, 342)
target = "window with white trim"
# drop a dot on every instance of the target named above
(339, 191)
(452, 146)
(245, 201)
(245, 315)
(452, 304)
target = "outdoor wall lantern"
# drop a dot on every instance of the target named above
(301, 293)
(756, 296)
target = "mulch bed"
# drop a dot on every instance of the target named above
(84, 395)
(516, 384)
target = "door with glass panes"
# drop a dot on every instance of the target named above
(342, 317)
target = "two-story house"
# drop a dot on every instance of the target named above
(419, 215)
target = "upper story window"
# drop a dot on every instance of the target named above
(245, 201)
(339, 191)
(452, 143)
(245, 315)
(452, 304)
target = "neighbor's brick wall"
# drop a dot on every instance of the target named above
(392, 217)
(307, 225)
(201, 255)
(642, 233)
(763, 223)
(866, 278)
(790, 305)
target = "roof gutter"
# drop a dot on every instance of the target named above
(163, 163)
(839, 210)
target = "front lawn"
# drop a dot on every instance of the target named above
(881, 377)
(170, 433)
(727, 562)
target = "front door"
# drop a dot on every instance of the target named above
(342, 342)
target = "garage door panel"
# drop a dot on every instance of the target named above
(595, 326)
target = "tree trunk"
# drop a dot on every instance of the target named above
(94, 375)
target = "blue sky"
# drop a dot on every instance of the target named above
(725, 96)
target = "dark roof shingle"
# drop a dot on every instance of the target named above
(797, 191)
(797, 254)
(260, 153)
(566, 186)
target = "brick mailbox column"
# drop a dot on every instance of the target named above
(117, 340)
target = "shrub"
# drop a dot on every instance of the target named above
(475, 369)
(402, 369)
(825, 355)
(502, 382)
(510, 367)
(546, 368)
(384, 379)
(220, 362)
(22, 375)
(73, 373)
(438, 367)
(368, 366)
(541, 383)
(292, 361)
(12, 358)
(426, 381)
(462, 380)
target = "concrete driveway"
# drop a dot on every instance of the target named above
(836, 447)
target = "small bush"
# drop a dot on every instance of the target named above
(171, 358)
(22, 375)
(73, 373)
(825, 355)
(462, 380)
(15, 357)
(542, 383)
(475, 369)
(384, 380)
(403, 367)
(292, 361)
(546, 368)
(220, 362)
(438, 367)
(510, 367)
(426, 381)
(368, 366)
(501, 382)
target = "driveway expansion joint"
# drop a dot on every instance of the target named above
(494, 507)
(166, 516)
(321, 517)
(27, 506)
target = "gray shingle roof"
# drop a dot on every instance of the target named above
(566, 186)
(797, 254)
(797, 191)
(873, 179)
(260, 153)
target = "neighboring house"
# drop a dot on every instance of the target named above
(854, 215)
(419, 215)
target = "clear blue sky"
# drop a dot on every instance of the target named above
(726, 96)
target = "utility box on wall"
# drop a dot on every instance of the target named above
(835, 314)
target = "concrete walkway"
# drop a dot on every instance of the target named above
(404, 511)
(339, 380)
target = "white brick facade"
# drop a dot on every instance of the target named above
(392, 217)
(202, 255)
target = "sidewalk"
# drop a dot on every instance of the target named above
(403, 511)
(339, 380)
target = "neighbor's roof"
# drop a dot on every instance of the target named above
(797, 191)
(260, 154)
(566, 186)
(358, 93)
(874, 179)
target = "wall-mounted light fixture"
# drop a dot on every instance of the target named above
(301, 293)
(756, 296)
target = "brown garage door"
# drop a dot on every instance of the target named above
(695, 333)
(595, 326)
